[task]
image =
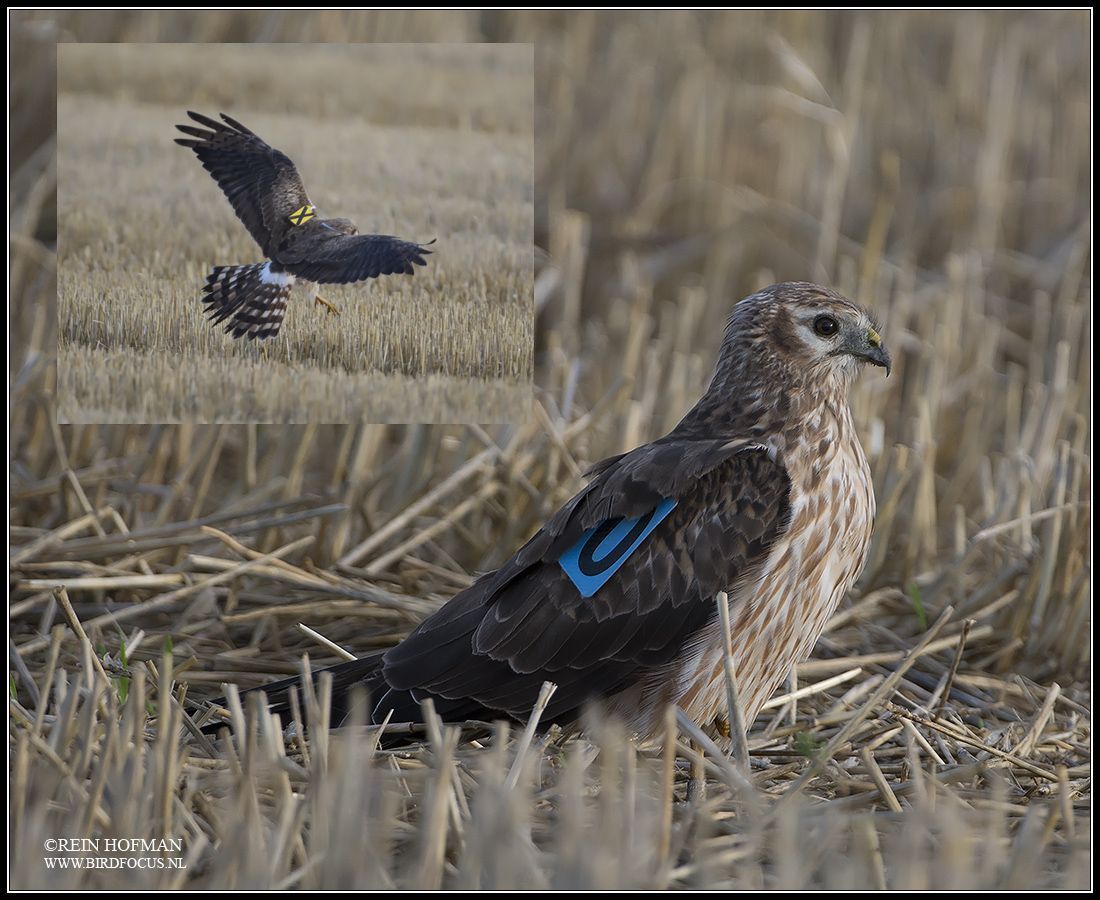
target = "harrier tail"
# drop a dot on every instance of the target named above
(253, 299)
(364, 672)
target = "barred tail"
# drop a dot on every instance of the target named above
(252, 298)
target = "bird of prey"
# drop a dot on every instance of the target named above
(762, 491)
(268, 196)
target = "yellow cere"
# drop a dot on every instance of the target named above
(874, 337)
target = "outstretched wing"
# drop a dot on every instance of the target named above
(674, 522)
(260, 181)
(328, 257)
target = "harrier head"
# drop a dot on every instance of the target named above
(806, 330)
(343, 226)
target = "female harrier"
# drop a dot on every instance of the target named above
(268, 196)
(761, 491)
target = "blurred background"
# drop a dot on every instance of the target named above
(933, 166)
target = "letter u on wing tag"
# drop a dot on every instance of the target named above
(600, 552)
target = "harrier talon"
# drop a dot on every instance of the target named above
(723, 725)
(321, 301)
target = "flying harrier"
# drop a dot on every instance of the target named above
(762, 491)
(268, 196)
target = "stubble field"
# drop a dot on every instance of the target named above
(933, 165)
(423, 143)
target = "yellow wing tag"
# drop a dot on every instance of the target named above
(303, 215)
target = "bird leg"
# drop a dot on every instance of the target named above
(318, 300)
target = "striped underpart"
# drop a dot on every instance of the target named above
(252, 298)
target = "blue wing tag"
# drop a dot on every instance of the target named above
(600, 552)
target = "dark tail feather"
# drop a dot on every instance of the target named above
(345, 676)
(253, 306)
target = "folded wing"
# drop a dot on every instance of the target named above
(491, 647)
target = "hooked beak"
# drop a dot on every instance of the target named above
(869, 347)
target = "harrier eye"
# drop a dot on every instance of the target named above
(826, 326)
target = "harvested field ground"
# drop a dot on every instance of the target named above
(933, 165)
(424, 143)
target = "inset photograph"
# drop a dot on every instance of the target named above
(295, 233)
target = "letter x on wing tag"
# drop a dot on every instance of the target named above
(301, 215)
(602, 550)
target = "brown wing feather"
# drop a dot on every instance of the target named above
(494, 644)
(260, 182)
(319, 254)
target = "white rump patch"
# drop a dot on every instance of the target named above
(283, 279)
